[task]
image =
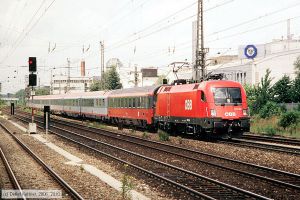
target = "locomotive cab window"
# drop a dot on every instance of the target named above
(202, 95)
(227, 95)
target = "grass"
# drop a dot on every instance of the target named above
(127, 184)
(145, 135)
(97, 125)
(270, 127)
(163, 136)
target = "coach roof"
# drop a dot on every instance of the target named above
(137, 91)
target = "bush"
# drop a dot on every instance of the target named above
(298, 108)
(270, 130)
(289, 118)
(163, 136)
(268, 110)
(283, 108)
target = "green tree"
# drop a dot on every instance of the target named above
(269, 109)
(263, 92)
(99, 84)
(282, 90)
(251, 95)
(20, 94)
(297, 66)
(296, 89)
(110, 81)
(42, 91)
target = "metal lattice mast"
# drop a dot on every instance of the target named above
(200, 50)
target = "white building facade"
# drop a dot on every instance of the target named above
(252, 62)
(279, 56)
(60, 84)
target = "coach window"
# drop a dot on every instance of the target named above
(142, 102)
(146, 102)
(133, 102)
(138, 102)
(203, 96)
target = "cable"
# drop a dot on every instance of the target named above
(254, 19)
(165, 27)
(36, 22)
(250, 30)
(158, 22)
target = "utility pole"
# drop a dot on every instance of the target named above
(200, 50)
(102, 57)
(136, 76)
(68, 80)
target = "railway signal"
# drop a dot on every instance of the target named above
(32, 64)
(32, 82)
(32, 79)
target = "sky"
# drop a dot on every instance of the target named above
(146, 33)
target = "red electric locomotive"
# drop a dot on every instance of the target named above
(217, 108)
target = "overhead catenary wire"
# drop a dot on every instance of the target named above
(16, 45)
(138, 37)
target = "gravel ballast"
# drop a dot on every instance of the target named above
(76, 176)
(27, 171)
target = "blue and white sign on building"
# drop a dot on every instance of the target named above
(250, 51)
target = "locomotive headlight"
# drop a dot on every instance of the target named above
(213, 112)
(245, 112)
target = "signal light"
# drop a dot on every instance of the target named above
(32, 79)
(32, 64)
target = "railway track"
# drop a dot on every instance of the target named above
(184, 181)
(264, 146)
(280, 140)
(278, 177)
(47, 168)
(273, 177)
(12, 177)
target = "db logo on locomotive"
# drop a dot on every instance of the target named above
(188, 104)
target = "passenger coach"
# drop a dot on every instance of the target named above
(87, 104)
(133, 106)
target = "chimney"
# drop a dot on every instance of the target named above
(82, 68)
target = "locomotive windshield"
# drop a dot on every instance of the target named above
(227, 95)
